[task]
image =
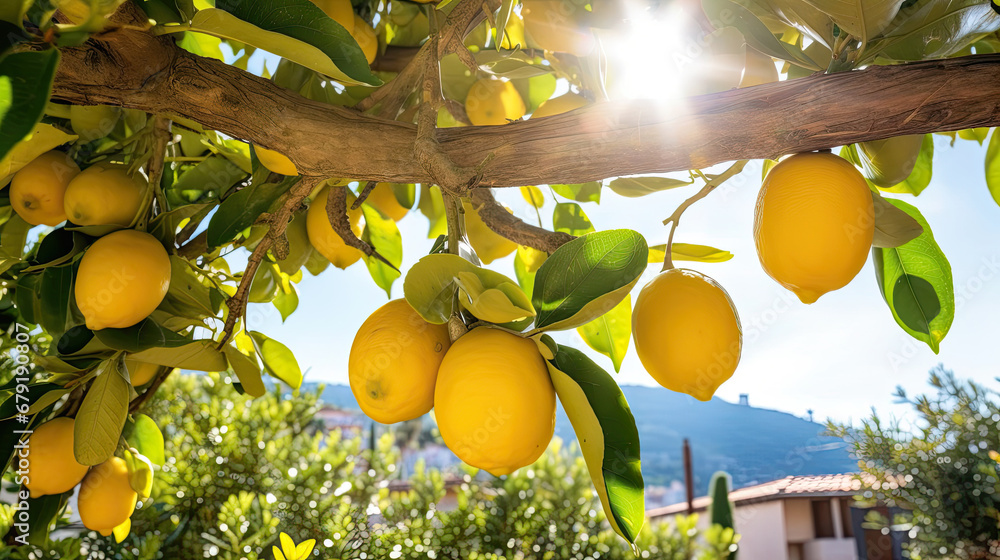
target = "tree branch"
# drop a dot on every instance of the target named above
(336, 212)
(134, 69)
(506, 224)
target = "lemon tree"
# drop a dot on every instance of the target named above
(142, 144)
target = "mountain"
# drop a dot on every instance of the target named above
(752, 444)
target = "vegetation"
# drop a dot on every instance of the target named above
(944, 467)
(139, 157)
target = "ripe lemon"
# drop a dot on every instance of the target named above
(37, 189)
(140, 373)
(384, 200)
(327, 241)
(813, 224)
(52, 467)
(394, 363)
(276, 162)
(494, 401)
(122, 277)
(556, 25)
(489, 245)
(558, 105)
(686, 332)
(366, 38)
(106, 498)
(339, 11)
(103, 195)
(491, 102)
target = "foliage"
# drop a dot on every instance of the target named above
(241, 470)
(944, 468)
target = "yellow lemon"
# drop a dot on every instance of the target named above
(103, 195)
(813, 224)
(340, 11)
(37, 190)
(91, 122)
(327, 241)
(140, 373)
(106, 498)
(494, 401)
(276, 162)
(384, 200)
(122, 277)
(489, 245)
(556, 25)
(686, 332)
(394, 363)
(366, 38)
(491, 102)
(558, 105)
(51, 465)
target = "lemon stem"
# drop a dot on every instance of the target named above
(711, 182)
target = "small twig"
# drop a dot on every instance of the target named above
(336, 212)
(498, 219)
(710, 185)
(277, 223)
(363, 196)
(392, 95)
(454, 220)
(154, 170)
(136, 404)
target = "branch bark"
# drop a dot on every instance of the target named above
(134, 69)
(498, 219)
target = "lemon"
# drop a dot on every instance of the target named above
(494, 401)
(91, 122)
(813, 224)
(489, 245)
(327, 241)
(394, 363)
(103, 194)
(491, 102)
(555, 25)
(37, 190)
(558, 105)
(687, 333)
(52, 467)
(383, 199)
(106, 498)
(890, 161)
(122, 277)
(275, 162)
(366, 38)
(340, 11)
(140, 373)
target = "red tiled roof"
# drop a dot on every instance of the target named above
(788, 487)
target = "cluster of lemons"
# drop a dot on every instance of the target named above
(813, 229)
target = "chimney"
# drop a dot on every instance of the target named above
(744, 399)
(688, 476)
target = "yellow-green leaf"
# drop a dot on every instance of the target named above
(689, 252)
(533, 196)
(278, 359)
(102, 415)
(41, 139)
(633, 187)
(609, 334)
(247, 370)
(200, 355)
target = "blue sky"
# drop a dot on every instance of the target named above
(839, 356)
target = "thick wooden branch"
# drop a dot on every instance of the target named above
(133, 69)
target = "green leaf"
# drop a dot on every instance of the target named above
(200, 355)
(25, 85)
(57, 287)
(13, 11)
(140, 477)
(503, 15)
(431, 284)
(934, 30)
(915, 281)
(241, 209)
(301, 32)
(893, 227)
(609, 334)
(147, 439)
(102, 415)
(993, 166)
(496, 302)
(42, 138)
(287, 300)
(383, 234)
(143, 335)
(278, 359)
(757, 34)
(867, 156)
(525, 277)
(608, 437)
(510, 67)
(533, 196)
(535, 91)
(569, 217)
(587, 277)
(247, 370)
(864, 19)
(688, 252)
(45, 510)
(583, 192)
(34, 398)
(213, 174)
(633, 187)
(187, 291)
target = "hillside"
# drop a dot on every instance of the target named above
(752, 444)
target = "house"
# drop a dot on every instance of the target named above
(793, 518)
